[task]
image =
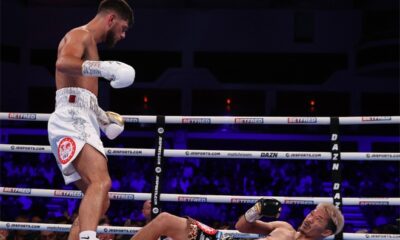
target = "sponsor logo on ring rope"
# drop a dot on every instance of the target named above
(119, 230)
(22, 116)
(249, 120)
(239, 154)
(22, 226)
(125, 151)
(301, 155)
(376, 118)
(269, 154)
(121, 196)
(243, 200)
(17, 190)
(58, 229)
(66, 193)
(202, 153)
(191, 199)
(377, 203)
(131, 119)
(299, 202)
(196, 120)
(380, 236)
(383, 155)
(27, 148)
(296, 120)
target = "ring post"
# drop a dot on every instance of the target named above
(336, 168)
(158, 167)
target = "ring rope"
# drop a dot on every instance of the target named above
(223, 135)
(225, 119)
(220, 154)
(133, 230)
(199, 198)
(187, 153)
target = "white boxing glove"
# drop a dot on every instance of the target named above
(112, 124)
(121, 75)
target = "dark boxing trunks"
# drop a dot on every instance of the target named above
(199, 231)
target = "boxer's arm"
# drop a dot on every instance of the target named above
(119, 74)
(69, 60)
(260, 227)
(263, 207)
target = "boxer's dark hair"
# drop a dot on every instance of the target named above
(331, 226)
(121, 7)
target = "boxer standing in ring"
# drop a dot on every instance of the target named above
(73, 127)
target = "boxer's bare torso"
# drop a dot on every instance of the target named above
(281, 234)
(79, 43)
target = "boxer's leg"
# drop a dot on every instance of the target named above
(92, 167)
(74, 232)
(164, 224)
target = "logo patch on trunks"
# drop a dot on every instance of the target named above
(66, 149)
(208, 230)
(71, 98)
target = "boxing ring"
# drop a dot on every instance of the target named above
(334, 156)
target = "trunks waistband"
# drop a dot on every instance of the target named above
(77, 97)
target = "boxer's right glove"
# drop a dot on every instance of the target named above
(120, 74)
(263, 207)
(112, 124)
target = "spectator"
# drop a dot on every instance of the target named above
(48, 235)
(4, 234)
(146, 210)
(105, 236)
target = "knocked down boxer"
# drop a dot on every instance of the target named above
(323, 221)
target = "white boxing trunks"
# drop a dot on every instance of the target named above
(72, 125)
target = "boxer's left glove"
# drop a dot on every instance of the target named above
(263, 207)
(121, 75)
(112, 124)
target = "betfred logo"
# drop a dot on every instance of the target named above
(196, 120)
(376, 119)
(300, 120)
(299, 202)
(17, 190)
(121, 196)
(66, 193)
(22, 116)
(376, 203)
(249, 120)
(191, 199)
(66, 150)
(243, 200)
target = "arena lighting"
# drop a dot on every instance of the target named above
(228, 102)
(312, 104)
(145, 102)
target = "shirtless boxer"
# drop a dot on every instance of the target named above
(325, 220)
(73, 127)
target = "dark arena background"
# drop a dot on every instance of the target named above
(252, 58)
